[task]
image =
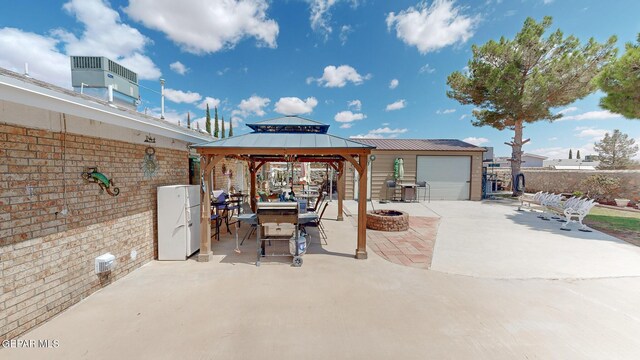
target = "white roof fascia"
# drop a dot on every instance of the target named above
(32, 95)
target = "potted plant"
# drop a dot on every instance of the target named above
(622, 202)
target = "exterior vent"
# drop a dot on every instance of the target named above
(86, 62)
(122, 71)
(104, 263)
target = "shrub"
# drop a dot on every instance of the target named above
(578, 194)
(599, 186)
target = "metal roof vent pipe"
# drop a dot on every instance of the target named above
(110, 95)
(26, 70)
(161, 98)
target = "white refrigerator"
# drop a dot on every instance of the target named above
(178, 221)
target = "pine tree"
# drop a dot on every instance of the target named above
(578, 155)
(621, 83)
(615, 151)
(215, 125)
(207, 124)
(517, 81)
(570, 154)
(223, 136)
(230, 128)
(188, 120)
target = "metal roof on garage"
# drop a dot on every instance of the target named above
(421, 144)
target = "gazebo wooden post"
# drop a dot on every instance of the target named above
(205, 211)
(361, 251)
(341, 187)
(252, 192)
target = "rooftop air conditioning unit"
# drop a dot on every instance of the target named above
(93, 75)
(105, 262)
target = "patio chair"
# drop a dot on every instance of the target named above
(391, 185)
(216, 221)
(422, 185)
(317, 223)
(319, 201)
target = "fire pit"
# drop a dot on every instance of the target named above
(387, 220)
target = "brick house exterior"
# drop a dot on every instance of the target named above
(52, 223)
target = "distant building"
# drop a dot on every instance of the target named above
(528, 161)
(571, 164)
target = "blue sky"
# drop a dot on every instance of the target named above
(362, 66)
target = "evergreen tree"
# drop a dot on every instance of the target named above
(615, 151)
(188, 120)
(207, 124)
(570, 154)
(578, 155)
(215, 125)
(621, 83)
(516, 81)
(230, 128)
(223, 136)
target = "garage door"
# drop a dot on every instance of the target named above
(448, 176)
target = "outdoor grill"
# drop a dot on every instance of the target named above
(277, 213)
(270, 214)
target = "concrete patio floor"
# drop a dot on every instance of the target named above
(338, 307)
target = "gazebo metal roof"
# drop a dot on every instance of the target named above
(289, 132)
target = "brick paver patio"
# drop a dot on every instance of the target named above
(413, 247)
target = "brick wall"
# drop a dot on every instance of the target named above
(47, 259)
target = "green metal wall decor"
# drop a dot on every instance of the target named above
(150, 163)
(91, 174)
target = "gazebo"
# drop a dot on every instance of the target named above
(285, 139)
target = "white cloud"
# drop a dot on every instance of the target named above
(446, 111)
(546, 2)
(348, 116)
(568, 110)
(179, 67)
(223, 71)
(380, 133)
(591, 115)
(202, 26)
(589, 132)
(394, 84)
(339, 76)
(355, 105)
(426, 68)
(178, 96)
(320, 16)
(103, 34)
(477, 141)
(254, 105)
(213, 102)
(346, 126)
(46, 63)
(345, 30)
(400, 104)
(464, 116)
(431, 28)
(295, 106)
(552, 138)
(385, 124)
